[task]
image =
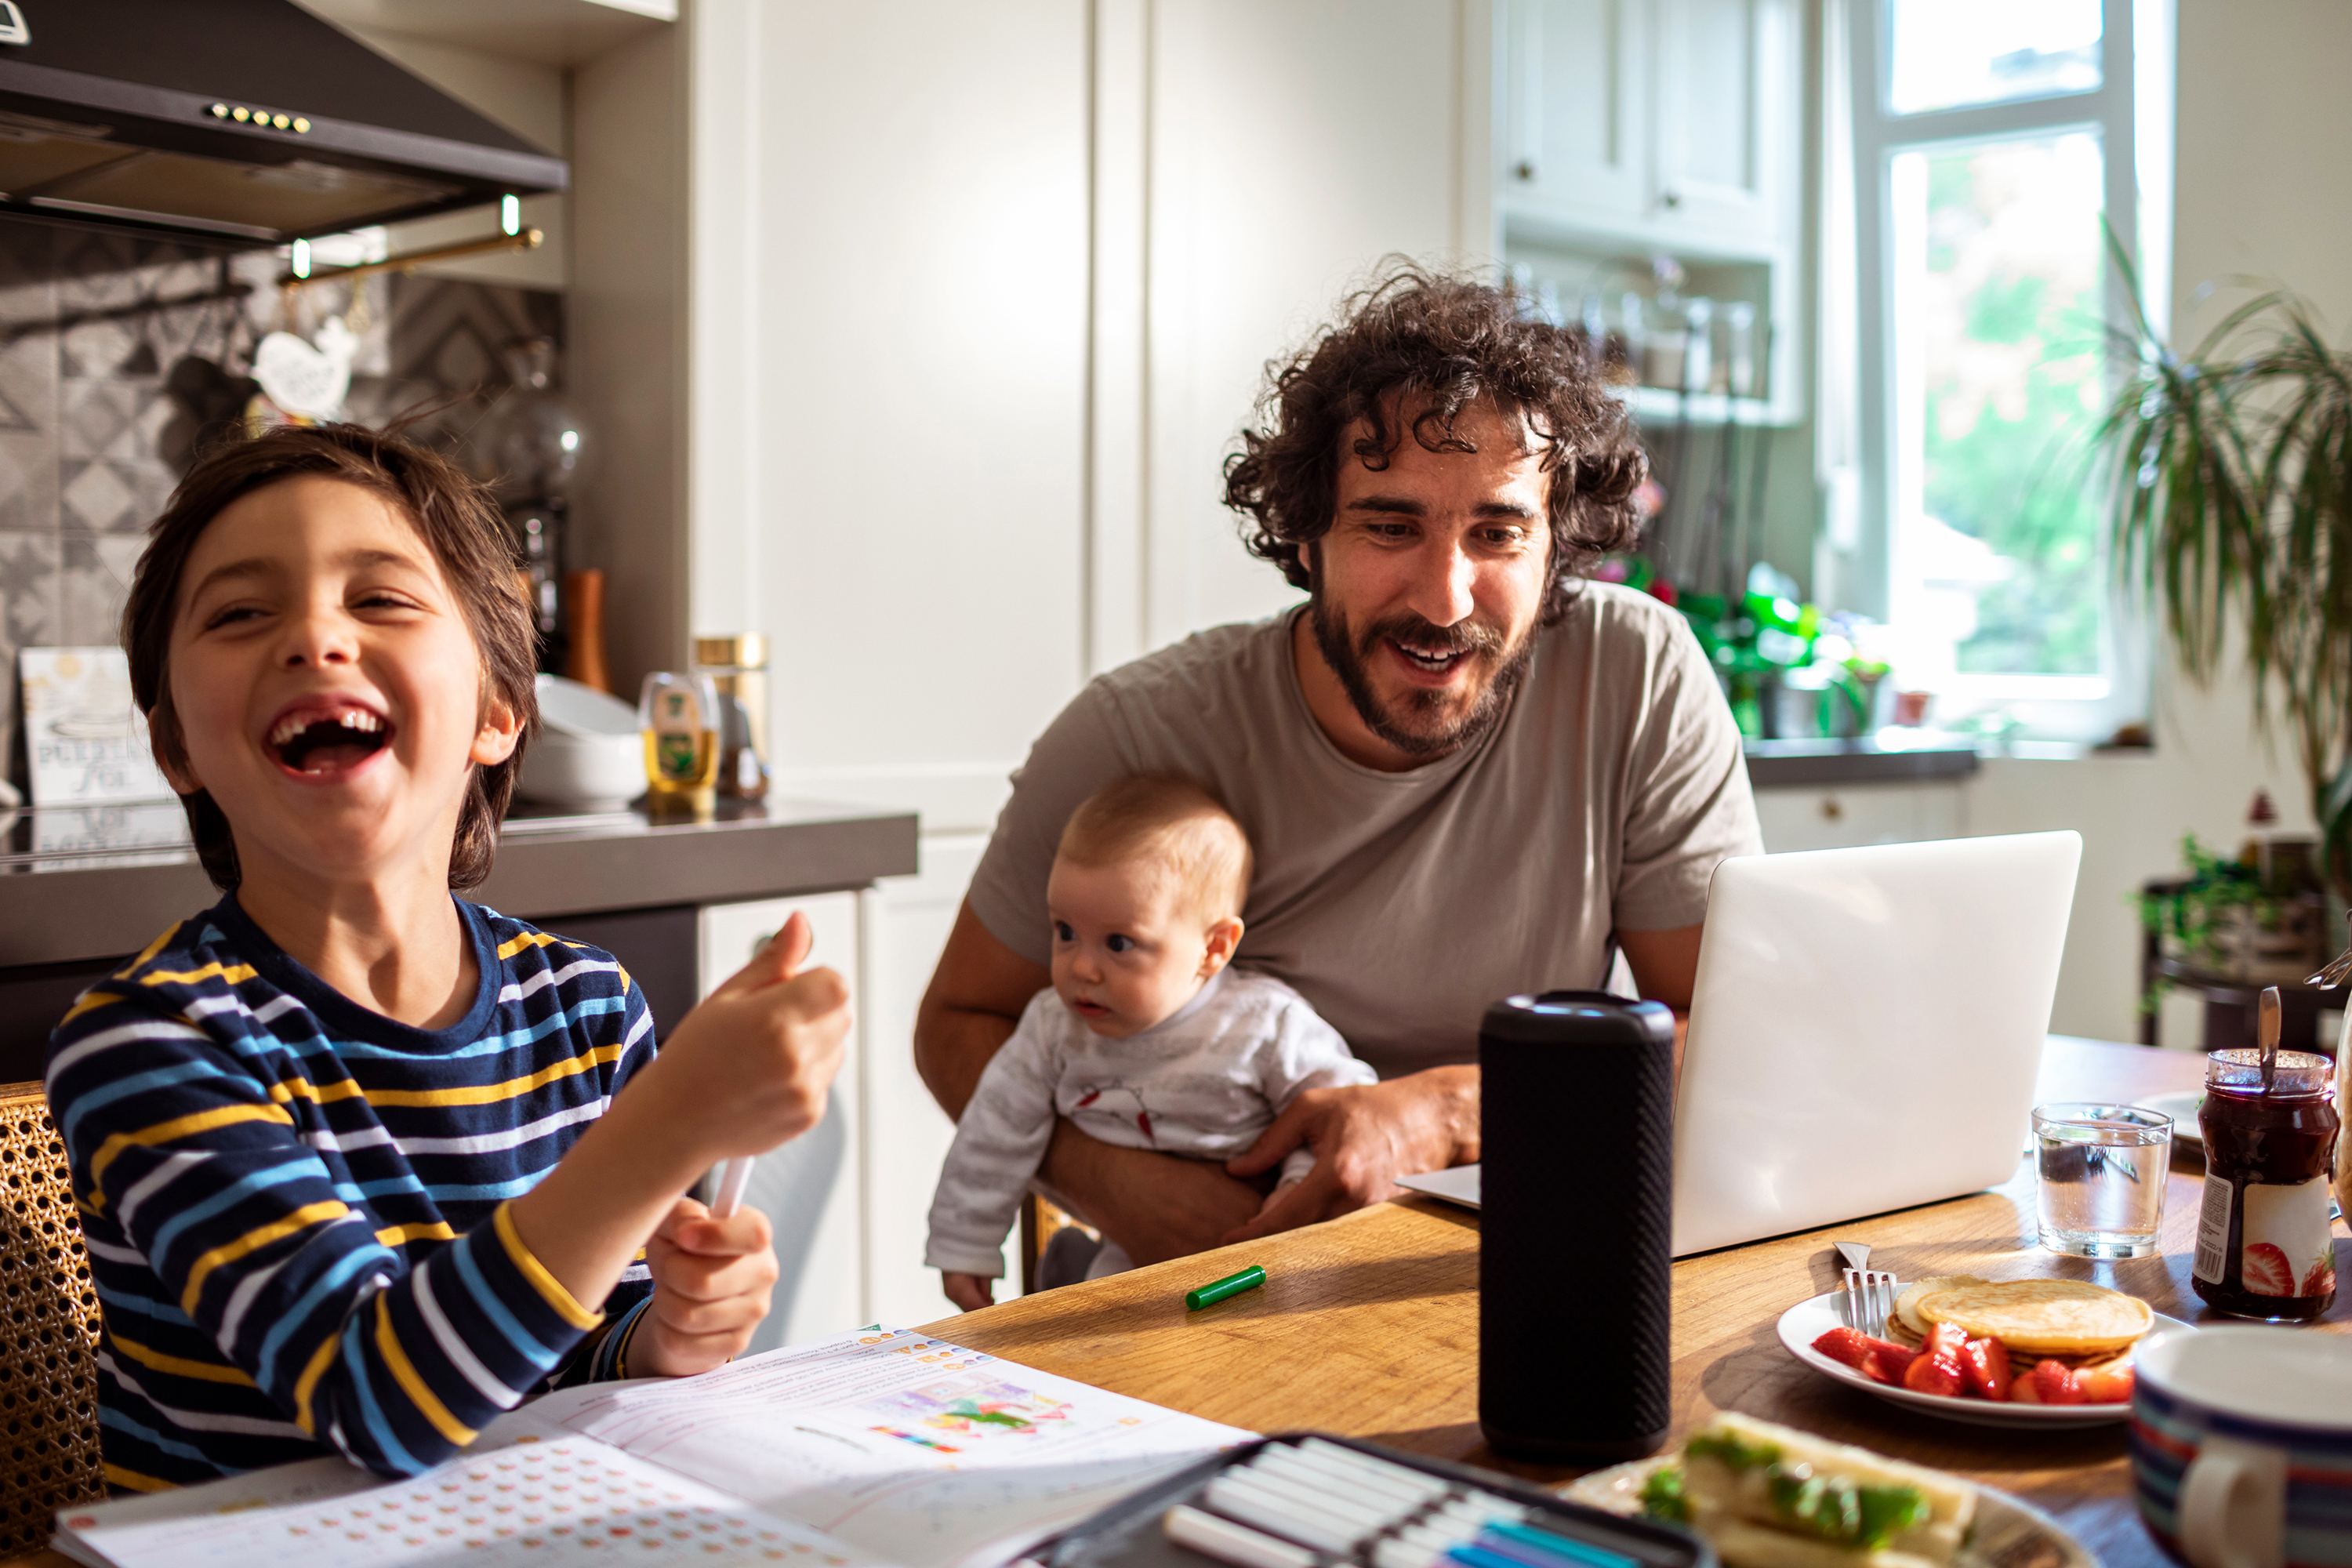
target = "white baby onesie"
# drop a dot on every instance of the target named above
(1204, 1081)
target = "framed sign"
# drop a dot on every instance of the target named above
(86, 739)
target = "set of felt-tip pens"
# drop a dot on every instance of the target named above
(1319, 1502)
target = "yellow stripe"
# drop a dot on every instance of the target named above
(178, 1127)
(88, 1003)
(515, 944)
(149, 950)
(549, 1286)
(228, 973)
(490, 1093)
(179, 1366)
(418, 1230)
(404, 1373)
(259, 1237)
(116, 1475)
(290, 1090)
(308, 1382)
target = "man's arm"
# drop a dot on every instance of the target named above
(1666, 969)
(1154, 1206)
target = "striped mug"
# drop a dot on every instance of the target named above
(2241, 1445)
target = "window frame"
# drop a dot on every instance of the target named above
(2130, 113)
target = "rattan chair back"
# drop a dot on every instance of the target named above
(48, 1331)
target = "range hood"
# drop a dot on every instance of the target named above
(244, 119)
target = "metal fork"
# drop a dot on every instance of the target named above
(1869, 1292)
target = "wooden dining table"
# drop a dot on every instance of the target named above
(1368, 1325)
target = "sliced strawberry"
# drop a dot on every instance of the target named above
(2107, 1385)
(2322, 1278)
(2056, 1383)
(2023, 1390)
(1851, 1346)
(2266, 1270)
(1945, 1338)
(1986, 1364)
(1935, 1374)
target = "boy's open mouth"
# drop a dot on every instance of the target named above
(328, 743)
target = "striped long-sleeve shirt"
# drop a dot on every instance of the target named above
(297, 1208)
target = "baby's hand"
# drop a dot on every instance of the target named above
(970, 1292)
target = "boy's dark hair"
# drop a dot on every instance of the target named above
(1444, 341)
(458, 520)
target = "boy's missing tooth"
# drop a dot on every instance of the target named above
(362, 1164)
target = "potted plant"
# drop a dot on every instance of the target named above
(2231, 509)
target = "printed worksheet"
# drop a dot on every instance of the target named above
(548, 1502)
(917, 1450)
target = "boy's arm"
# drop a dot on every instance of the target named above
(197, 1165)
(999, 1144)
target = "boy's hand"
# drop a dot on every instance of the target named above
(712, 1279)
(970, 1292)
(749, 1068)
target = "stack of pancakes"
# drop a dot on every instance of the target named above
(2079, 1325)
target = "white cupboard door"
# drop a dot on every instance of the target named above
(810, 1188)
(1576, 142)
(1726, 116)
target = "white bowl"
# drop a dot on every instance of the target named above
(598, 771)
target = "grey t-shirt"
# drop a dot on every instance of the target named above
(1402, 904)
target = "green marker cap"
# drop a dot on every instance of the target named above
(1249, 1278)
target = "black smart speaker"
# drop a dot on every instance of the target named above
(1576, 1210)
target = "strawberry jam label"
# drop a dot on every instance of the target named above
(2213, 1262)
(2283, 1249)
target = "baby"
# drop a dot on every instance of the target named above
(1146, 1038)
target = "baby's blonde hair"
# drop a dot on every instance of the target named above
(1179, 824)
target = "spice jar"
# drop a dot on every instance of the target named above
(2263, 1243)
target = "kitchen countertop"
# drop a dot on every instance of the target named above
(1925, 757)
(96, 883)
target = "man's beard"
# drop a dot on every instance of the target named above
(1417, 724)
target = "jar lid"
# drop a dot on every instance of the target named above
(748, 650)
(2295, 1073)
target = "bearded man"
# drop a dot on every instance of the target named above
(1465, 770)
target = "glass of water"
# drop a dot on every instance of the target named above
(2101, 1169)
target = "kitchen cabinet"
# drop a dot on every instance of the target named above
(1674, 123)
(1842, 817)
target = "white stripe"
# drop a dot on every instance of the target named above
(276, 1006)
(365, 1138)
(240, 1302)
(199, 1420)
(120, 1034)
(516, 990)
(173, 1167)
(460, 1357)
(634, 1272)
(112, 1253)
(485, 1143)
(644, 1022)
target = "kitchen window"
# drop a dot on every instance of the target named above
(1991, 145)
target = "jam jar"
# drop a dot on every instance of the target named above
(2262, 1244)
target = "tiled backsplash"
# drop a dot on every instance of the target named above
(89, 428)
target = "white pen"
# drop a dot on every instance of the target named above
(1229, 1542)
(1387, 1470)
(1251, 1506)
(728, 1180)
(1366, 1516)
(1289, 1459)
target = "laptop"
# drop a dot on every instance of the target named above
(1866, 1032)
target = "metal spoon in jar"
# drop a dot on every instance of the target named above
(2266, 1033)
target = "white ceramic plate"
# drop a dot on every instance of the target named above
(2008, 1530)
(2180, 1104)
(1806, 1321)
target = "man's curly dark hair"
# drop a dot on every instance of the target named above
(1444, 341)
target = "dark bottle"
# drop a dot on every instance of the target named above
(1576, 1222)
(2262, 1244)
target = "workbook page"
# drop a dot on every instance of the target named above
(549, 1502)
(917, 1450)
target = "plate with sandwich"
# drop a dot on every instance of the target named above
(1766, 1496)
(2014, 1352)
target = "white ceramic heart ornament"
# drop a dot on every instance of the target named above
(306, 381)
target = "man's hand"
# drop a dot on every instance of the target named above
(712, 1279)
(970, 1292)
(1155, 1205)
(1364, 1137)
